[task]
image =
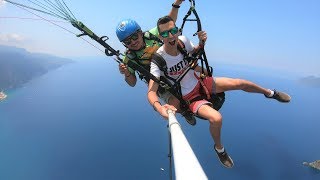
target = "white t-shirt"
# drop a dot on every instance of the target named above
(176, 66)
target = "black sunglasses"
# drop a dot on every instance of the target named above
(131, 38)
(173, 31)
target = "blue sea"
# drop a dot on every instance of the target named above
(82, 122)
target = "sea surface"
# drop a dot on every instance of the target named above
(82, 122)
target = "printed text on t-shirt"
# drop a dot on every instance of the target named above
(179, 68)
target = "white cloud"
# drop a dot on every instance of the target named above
(2, 3)
(11, 38)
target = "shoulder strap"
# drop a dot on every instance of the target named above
(130, 54)
(183, 51)
(181, 46)
(159, 61)
(162, 64)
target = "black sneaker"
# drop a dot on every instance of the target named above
(189, 118)
(224, 158)
(280, 96)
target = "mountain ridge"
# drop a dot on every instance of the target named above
(18, 66)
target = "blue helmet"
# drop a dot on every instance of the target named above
(126, 27)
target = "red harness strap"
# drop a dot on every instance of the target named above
(205, 89)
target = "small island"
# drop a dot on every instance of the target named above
(2, 96)
(315, 164)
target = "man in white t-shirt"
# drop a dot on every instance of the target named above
(191, 85)
(140, 47)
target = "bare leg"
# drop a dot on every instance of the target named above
(215, 120)
(226, 84)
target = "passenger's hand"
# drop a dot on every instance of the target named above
(164, 110)
(124, 69)
(202, 35)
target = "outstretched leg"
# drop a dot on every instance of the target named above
(226, 84)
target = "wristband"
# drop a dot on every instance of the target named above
(175, 6)
(154, 106)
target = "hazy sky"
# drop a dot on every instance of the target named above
(280, 34)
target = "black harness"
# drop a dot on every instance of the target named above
(217, 100)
